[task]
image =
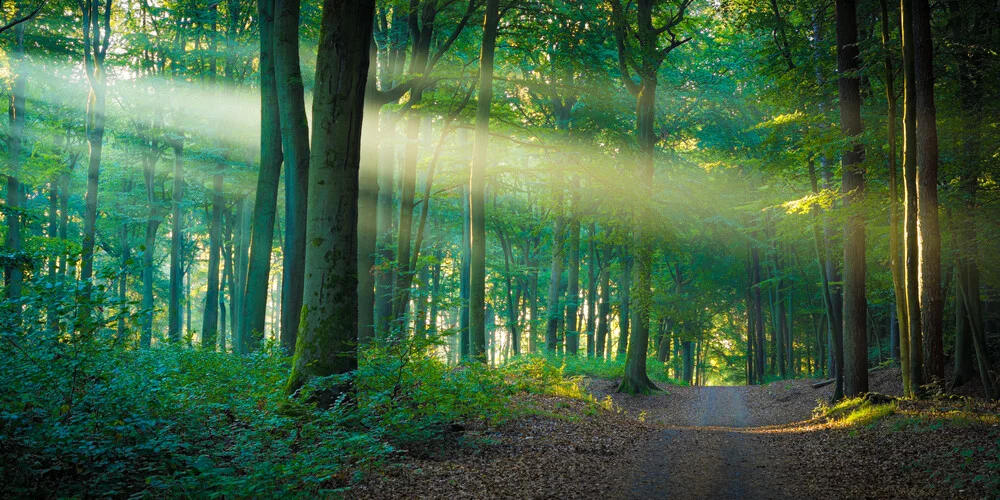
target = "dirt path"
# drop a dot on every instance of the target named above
(707, 452)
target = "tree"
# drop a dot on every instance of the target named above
(329, 321)
(254, 289)
(928, 231)
(477, 185)
(855, 297)
(294, 132)
(96, 41)
(646, 60)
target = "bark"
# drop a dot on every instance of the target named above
(898, 279)
(254, 289)
(855, 298)
(210, 320)
(294, 133)
(96, 39)
(592, 272)
(928, 230)
(910, 250)
(552, 307)
(176, 242)
(477, 182)
(150, 158)
(603, 339)
(463, 318)
(573, 291)
(329, 322)
(14, 274)
(624, 309)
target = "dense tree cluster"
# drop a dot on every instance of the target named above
(734, 191)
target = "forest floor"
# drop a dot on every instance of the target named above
(714, 442)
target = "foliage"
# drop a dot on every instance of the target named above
(82, 417)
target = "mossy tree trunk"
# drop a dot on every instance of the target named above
(327, 343)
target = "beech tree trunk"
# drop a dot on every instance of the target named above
(294, 134)
(910, 250)
(329, 322)
(210, 319)
(176, 242)
(855, 298)
(928, 230)
(254, 289)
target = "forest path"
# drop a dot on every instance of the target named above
(707, 448)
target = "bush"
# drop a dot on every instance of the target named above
(82, 417)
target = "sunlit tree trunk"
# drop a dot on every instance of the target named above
(553, 310)
(592, 272)
(928, 230)
(96, 40)
(855, 298)
(910, 251)
(573, 288)
(463, 297)
(329, 322)
(604, 308)
(150, 158)
(255, 288)
(624, 303)
(210, 320)
(896, 265)
(176, 242)
(294, 132)
(16, 110)
(477, 183)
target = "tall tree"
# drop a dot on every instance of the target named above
(646, 60)
(210, 320)
(176, 243)
(14, 274)
(910, 247)
(329, 321)
(477, 185)
(853, 184)
(928, 231)
(254, 288)
(294, 132)
(96, 41)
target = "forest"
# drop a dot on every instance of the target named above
(500, 248)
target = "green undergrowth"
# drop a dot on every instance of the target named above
(582, 366)
(82, 418)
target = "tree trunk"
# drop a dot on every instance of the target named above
(210, 320)
(463, 299)
(294, 134)
(552, 308)
(573, 291)
(624, 311)
(855, 302)
(97, 35)
(176, 242)
(928, 231)
(898, 279)
(910, 250)
(328, 337)
(15, 275)
(477, 182)
(603, 310)
(592, 268)
(255, 289)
